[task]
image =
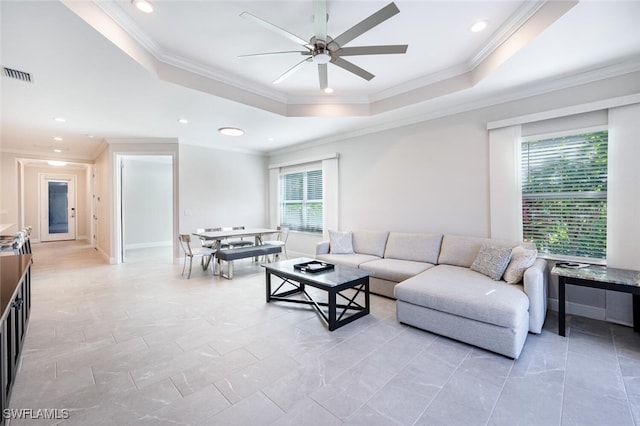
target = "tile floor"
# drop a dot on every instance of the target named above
(138, 344)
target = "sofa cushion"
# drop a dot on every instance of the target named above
(492, 261)
(462, 251)
(340, 242)
(370, 242)
(413, 246)
(463, 292)
(395, 269)
(521, 260)
(353, 259)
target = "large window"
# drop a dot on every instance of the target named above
(564, 194)
(301, 200)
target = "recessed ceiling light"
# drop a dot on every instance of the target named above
(231, 131)
(57, 163)
(57, 150)
(57, 138)
(183, 121)
(328, 90)
(143, 5)
(478, 26)
(59, 119)
(270, 139)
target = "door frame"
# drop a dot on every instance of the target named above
(43, 211)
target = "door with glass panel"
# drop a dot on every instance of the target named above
(57, 207)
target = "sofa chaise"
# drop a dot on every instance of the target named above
(442, 283)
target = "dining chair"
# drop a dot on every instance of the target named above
(206, 254)
(281, 240)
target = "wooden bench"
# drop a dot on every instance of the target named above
(229, 255)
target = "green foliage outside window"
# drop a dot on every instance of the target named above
(564, 194)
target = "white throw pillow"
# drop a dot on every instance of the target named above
(492, 261)
(340, 242)
(521, 259)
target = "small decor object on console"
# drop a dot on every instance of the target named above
(313, 266)
(572, 265)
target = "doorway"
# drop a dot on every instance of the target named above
(57, 207)
(146, 208)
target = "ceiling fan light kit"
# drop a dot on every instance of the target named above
(322, 49)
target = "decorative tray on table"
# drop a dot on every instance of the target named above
(313, 266)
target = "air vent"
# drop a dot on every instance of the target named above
(18, 75)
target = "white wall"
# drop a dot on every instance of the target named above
(221, 188)
(147, 191)
(434, 175)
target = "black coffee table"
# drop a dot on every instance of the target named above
(336, 282)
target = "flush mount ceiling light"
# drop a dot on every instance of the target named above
(478, 26)
(56, 163)
(328, 90)
(58, 150)
(231, 131)
(57, 139)
(183, 121)
(59, 119)
(143, 5)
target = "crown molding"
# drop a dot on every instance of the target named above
(432, 112)
(505, 31)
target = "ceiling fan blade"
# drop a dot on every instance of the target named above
(290, 71)
(380, 16)
(300, 52)
(372, 50)
(322, 75)
(320, 19)
(275, 29)
(342, 63)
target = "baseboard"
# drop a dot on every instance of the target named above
(579, 309)
(148, 245)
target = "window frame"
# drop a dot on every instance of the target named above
(305, 225)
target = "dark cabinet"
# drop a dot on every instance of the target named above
(15, 303)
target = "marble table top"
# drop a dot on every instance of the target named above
(601, 274)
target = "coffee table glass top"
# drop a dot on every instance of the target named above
(339, 275)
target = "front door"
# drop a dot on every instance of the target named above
(57, 207)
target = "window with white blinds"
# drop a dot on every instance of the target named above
(564, 194)
(301, 200)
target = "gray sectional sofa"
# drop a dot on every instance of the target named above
(431, 278)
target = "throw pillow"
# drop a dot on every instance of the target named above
(492, 261)
(340, 242)
(521, 259)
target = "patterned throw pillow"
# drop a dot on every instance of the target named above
(340, 242)
(521, 259)
(492, 261)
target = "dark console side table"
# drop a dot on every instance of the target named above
(624, 280)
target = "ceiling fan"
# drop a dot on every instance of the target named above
(322, 49)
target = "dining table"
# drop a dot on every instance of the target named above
(218, 236)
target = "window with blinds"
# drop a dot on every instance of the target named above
(564, 194)
(301, 201)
